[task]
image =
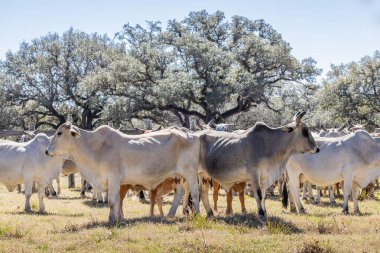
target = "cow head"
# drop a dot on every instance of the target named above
(302, 138)
(63, 140)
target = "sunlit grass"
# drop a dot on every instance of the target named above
(72, 224)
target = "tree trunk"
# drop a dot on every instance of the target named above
(87, 118)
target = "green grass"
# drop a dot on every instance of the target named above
(72, 224)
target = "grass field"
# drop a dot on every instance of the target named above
(72, 224)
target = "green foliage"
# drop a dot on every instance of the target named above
(351, 91)
(203, 66)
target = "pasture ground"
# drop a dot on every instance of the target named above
(72, 224)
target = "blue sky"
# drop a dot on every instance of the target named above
(330, 31)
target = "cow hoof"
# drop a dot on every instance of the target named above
(317, 202)
(54, 194)
(210, 214)
(357, 213)
(229, 212)
(333, 202)
(83, 196)
(302, 211)
(244, 211)
(100, 201)
(28, 210)
(345, 212)
(293, 210)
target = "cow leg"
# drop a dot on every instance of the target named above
(41, 193)
(99, 196)
(122, 192)
(194, 191)
(318, 198)
(331, 194)
(292, 203)
(347, 191)
(106, 197)
(215, 194)
(59, 186)
(19, 188)
(185, 200)
(28, 193)
(83, 188)
(153, 196)
(355, 197)
(337, 185)
(51, 189)
(304, 191)
(240, 189)
(114, 202)
(179, 191)
(229, 202)
(294, 190)
(159, 204)
(309, 191)
(204, 187)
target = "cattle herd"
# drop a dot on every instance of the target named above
(187, 162)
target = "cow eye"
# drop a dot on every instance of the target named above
(59, 133)
(305, 133)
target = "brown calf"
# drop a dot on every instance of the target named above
(155, 195)
(239, 188)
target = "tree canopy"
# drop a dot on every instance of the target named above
(203, 66)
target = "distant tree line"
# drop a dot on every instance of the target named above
(203, 67)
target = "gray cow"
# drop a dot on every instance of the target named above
(258, 155)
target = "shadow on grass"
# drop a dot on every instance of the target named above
(64, 198)
(273, 224)
(37, 213)
(135, 221)
(91, 203)
(252, 220)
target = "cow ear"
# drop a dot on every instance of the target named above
(75, 133)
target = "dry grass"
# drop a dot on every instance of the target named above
(74, 225)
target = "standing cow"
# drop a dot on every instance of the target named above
(258, 155)
(26, 163)
(109, 158)
(354, 158)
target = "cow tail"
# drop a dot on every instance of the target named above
(285, 196)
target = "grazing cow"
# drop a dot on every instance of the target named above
(258, 155)
(26, 163)
(354, 158)
(109, 158)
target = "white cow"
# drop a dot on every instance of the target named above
(109, 158)
(354, 158)
(26, 163)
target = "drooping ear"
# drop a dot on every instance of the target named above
(74, 132)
